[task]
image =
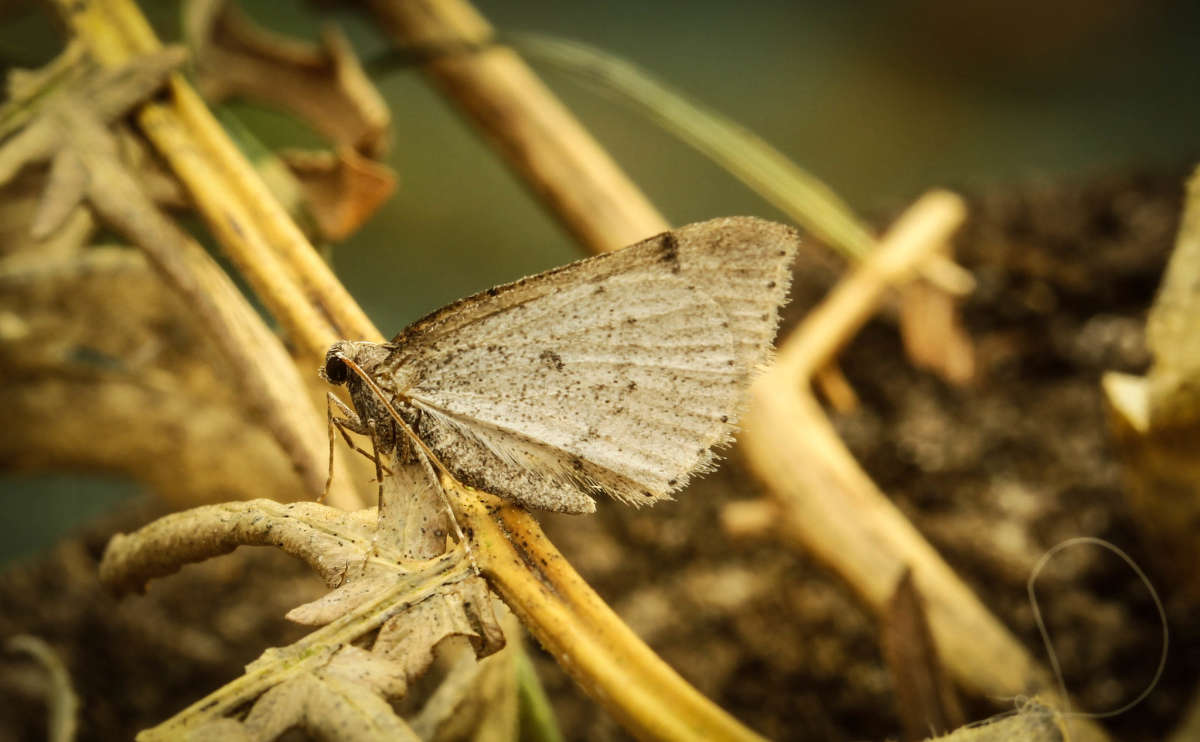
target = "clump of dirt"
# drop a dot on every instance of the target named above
(993, 474)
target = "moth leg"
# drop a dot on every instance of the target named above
(352, 423)
(375, 458)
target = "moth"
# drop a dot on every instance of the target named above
(614, 375)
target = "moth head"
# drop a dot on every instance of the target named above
(335, 370)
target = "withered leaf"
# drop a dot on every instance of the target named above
(924, 692)
(327, 682)
(342, 189)
(322, 83)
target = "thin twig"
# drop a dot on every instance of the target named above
(537, 134)
(61, 698)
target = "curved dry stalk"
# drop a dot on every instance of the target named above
(540, 137)
(323, 679)
(578, 628)
(61, 699)
(829, 505)
(305, 530)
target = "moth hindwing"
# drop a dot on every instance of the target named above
(617, 374)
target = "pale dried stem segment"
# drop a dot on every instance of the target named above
(830, 507)
(538, 135)
(61, 699)
(1156, 417)
(583, 634)
(303, 529)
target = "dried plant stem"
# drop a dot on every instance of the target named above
(916, 236)
(541, 139)
(830, 506)
(600, 652)
(303, 529)
(61, 699)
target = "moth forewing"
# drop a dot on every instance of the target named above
(617, 374)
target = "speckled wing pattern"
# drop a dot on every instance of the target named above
(617, 374)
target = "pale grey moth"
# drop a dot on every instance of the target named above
(617, 374)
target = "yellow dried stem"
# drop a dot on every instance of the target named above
(583, 634)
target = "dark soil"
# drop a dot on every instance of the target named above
(993, 474)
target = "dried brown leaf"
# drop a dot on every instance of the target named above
(342, 189)
(924, 693)
(322, 83)
(933, 332)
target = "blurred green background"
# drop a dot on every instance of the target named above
(879, 99)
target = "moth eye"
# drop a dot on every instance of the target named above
(336, 371)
